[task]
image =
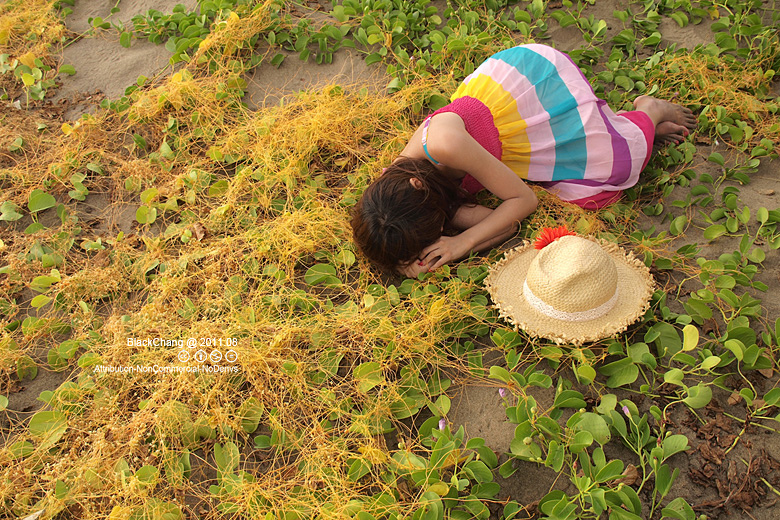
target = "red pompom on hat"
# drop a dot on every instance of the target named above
(549, 235)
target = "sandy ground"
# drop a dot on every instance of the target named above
(105, 69)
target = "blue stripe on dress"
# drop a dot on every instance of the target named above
(571, 153)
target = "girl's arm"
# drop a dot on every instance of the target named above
(455, 148)
(470, 215)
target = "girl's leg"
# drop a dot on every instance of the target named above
(661, 122)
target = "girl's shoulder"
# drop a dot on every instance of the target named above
(436, 134)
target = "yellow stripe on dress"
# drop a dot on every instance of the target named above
(515, 146)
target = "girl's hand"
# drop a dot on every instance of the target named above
(413, 269)
(444, 250)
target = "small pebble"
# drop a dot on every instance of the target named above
(767, 192)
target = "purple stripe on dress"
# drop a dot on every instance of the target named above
(620, 151)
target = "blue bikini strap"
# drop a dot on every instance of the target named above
(425, 139)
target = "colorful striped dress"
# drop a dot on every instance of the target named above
(533, 109)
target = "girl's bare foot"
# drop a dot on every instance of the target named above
(672, 122)
(668, 133)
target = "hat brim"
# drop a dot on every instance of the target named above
(505, 284)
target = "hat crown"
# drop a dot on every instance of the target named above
(573, 274)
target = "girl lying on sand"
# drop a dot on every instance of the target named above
(526, 113)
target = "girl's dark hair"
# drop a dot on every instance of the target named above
(394, 221)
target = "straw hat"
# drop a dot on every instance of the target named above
(570, 289)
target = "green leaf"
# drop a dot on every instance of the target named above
(746, 335)
(218, 188)
(373, 58)
(736, 347)
(771, 398)
(690, 337)
(507, 469)
(652, 40)
(339, 14)
(699, 396)
(9, 211)
(21, 449)
(442, 405)
(678, 225)
(124, 39)
(500, 373)
(437, 101)
(43, 282)
(674, 376)
(146, 215)
(147, 475)
(555, 456)
(368, 375)
(26, 368)
(321, 273)
(679, 17)
(608, 402)
(358, 469)
(674, 444)
(666, 338)
(40, 200)
(16, 145)
(345, 257)
(586, 374)
(569, 399)
(621, 372)
(40, 300)
(3, 402)
(215, 154)
(48, 426)
(698, 309)
(227, 458)
(757, 255)
(68, 69)
(714, 231)
(591, 423)
(262, 442)
(148, 195)
(678, 509)
(250, 413)
(67, 349)
(277, 59)
(624, 82)
(717, 158)
(581, 440)
(710, 362)
(89, 359)
(479, 470)
(725, 282)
